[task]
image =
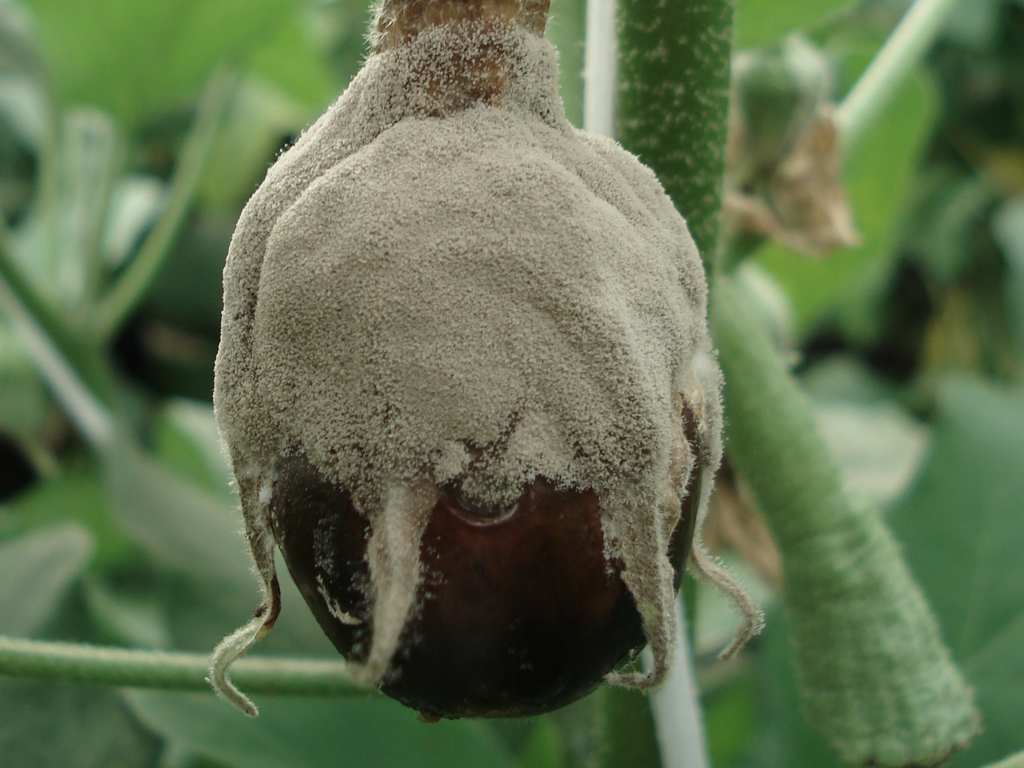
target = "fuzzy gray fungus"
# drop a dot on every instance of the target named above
(429, 289)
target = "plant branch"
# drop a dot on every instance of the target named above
(599, 69)
(902, 51)
(37, 327)
(676, 707)
(1014, 761)
(674, 100)
(168, 671)
(133, 284)
(899, 703)
(12, 274)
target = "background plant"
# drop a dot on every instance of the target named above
(131, 134)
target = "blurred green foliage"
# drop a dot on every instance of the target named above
(922, 325)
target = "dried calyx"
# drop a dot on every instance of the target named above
(784, 153)
(466, 381)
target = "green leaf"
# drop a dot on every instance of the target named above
(948, 208)
(187, 295)
(45, 725)
(1014, 761)
(762, 21)
(256, 122)
(845, 378)
(785, 739)
(74, 494)
(1008, 231)
(878, 447)
(963, 534)
(339, 31)
(974, 24)
(36, 572)
(289, 60)
(179, 524)
(193, 535)
(879, 172)
(136, 202)
(24, 100)
(88, 160)
(311, 733)
(185, 437)
(729, 719)
(127, 617)
(196, 537)
(131, 58)
(58, 248)
(576, 729)
(132, 285)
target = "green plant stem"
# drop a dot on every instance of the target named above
(168, 671)
(672, 108)
(1014, 761)
(675, 707)
(905, 47)
(131, 287)
(599, 69)
(771, 432)
(894, 703)
(16, 282)
(42, 334)
(674, 99)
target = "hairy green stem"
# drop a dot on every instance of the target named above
(131, 287)
(168, 671)
(672, 108)
(901, 53)
(896, 702)
(674, 100)
(771, 430)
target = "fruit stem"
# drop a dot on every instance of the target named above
(97, 665)
(399, 21)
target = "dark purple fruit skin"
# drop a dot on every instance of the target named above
(323, 539)
(516, 615)
(519, 616)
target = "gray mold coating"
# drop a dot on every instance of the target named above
(425, 290)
